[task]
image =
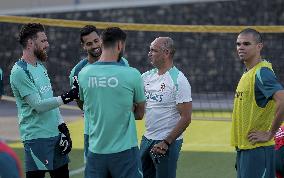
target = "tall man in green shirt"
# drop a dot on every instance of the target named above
(91, 44)
(109, 91)
(44, 134)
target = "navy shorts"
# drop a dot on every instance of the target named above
(125, 164)
(257, 162)
(43, 154)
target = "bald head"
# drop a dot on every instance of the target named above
(167, 43)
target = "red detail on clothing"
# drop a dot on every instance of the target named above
(4, 148)
(279, 138)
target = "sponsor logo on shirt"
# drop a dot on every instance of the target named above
(154, 96)
(44, 89)
(239, 95)
(95, 82)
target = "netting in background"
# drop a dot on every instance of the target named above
(208, 60)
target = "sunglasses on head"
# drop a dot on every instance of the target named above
(244, 43)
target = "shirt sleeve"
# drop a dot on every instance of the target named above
(80, 88)
(184, 90)
(267, 82)
(40, 105)
(139, 95)
(21, 81)
(71, 76)
(59, 116)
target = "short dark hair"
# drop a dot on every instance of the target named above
(112, 35)
(29, 31)
(255, 33)
(86, 30)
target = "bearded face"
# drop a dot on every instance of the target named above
(96, 52)
(92, 44)
(40, 46)
(40, 54)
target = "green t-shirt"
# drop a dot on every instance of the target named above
(78, 67)
(32, 124)
(109, 90)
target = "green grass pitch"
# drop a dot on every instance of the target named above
(206, 152)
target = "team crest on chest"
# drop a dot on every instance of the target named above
(163, 86)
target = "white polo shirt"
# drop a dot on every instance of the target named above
(163, 93)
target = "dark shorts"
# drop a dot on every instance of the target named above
(257, 162)
(166, 166)
(43, 154)
(125, 164)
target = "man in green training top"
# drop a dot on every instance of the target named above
(91, 43)
(109, 90)
(44, 134)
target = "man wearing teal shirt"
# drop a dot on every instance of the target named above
(44, 134)
(109, 91)
(91, 43)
